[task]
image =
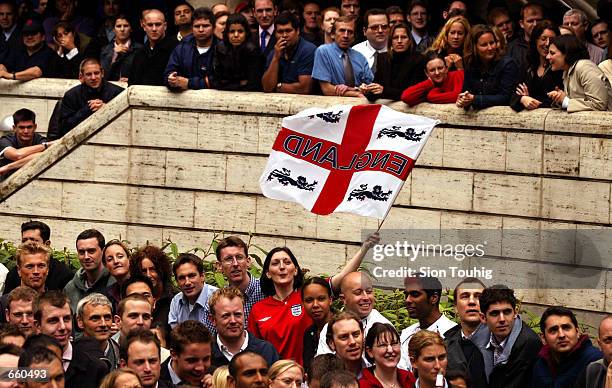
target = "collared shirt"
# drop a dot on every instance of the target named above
(252, 295)
(67, 356)
(270, 32)
(328, 65)
(7, 34)
(498, 347)
(417, 384)
(440, 326)
(173, 376)
(300, 63)
(226, 352)
(366, 49)
(181, 310)
(418, 38)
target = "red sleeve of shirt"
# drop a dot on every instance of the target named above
(449, 91)
(415, 94)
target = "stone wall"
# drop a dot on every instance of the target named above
(155, 165)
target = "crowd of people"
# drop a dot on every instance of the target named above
(119, 322)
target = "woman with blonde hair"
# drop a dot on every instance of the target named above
(428, 357)
(451, 41)
(121, 378)
(219, 377)
(284, 373)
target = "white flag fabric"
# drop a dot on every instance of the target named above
(345, 158)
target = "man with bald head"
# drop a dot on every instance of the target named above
(598, 374)
(358, 297)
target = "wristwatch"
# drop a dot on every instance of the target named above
(44, 143)
(279, 86)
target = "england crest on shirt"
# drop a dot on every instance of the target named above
(296, 310)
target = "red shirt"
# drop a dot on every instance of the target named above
(368, 380)
(425, 91)
(282, 324)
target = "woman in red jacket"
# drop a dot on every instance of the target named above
(383, 349)
(440, 87)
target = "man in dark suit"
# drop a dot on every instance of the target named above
(141, 351)
(265, 11)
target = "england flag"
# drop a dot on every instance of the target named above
(345, 158)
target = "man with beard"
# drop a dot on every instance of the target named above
(289, 65)
(345, 337)
(83, 100)
(95, 318)
(29, 60)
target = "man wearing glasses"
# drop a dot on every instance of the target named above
(19, 310)
(376, 31)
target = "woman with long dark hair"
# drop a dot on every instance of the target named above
(317, 299)
(490, 78)
(540, 78)
(586, 86)
(117, 56)
(238, 64)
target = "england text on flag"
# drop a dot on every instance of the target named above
(345, 158)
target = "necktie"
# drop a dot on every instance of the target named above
(262, 44)
(349, 76)
(375, 62)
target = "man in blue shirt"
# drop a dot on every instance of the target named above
(289, 65)
(340, 70)
(190, 65)
(192, 302)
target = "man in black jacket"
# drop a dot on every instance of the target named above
(509, 347)
(463, 355)
(83, 100)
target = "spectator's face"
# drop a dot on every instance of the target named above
(504, 24)
(229, 318)
(282, 271)
(386, 351)
(64, 38)
(90, 253)
(436, 71)
(419, 306)
(288, 33)
(236, 34)
(32, 235)
(220, 26)
(193, 363)
(328, 21)
(55, 375)
(600, 34)
(20, 314)
(33, 40)
(136, 315)
(42, 6)
(400, 41)
(190, 281)
(24, 130)
(560, 334)
(117, 261)
(396, 18)
(467, 303)
(265, 11)
(9, 361)
(357, 294)
(111, 8)
(605, 338)
(144, 359)
(350, 8)
(486, 47)
(220, 8)
(418, 17)
(33, 270)
(251, 371)
(56, 322)
(556, 58)
(7, 16)
(458, 382)
(456, 36)
(544, 42)
(147, 267)
(531, 17)
(288, 378)
(317, 302)
(122, 29)
(96, 322)
(182, 15)
(248, 14)
(202, 30)
(377, 30)
(500, 319)
(574, 22)
(312, 16)
(141, 289)
(430, 362)
(154, 25)
(63, 5)
(345, 34)
(347, 340)
(127, 380)
(92, 75)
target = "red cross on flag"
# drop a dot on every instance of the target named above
(345, 158)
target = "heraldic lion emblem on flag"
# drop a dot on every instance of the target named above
(345, 158)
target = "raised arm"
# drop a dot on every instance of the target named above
(353, 264)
